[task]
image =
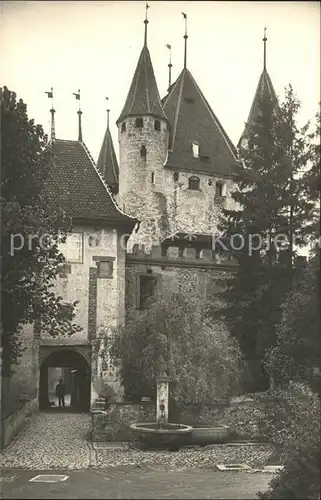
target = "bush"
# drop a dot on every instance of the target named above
(293, 424)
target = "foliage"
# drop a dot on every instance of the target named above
(271, 200)
(296, 352)
(201, 359)
(29, 223)
(293, 423)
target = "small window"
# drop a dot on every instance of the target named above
(123, 127)
(139, 123)
(194, 183)
(210, 182)
(143, 152)
(157, 125)
(153, 178)
(147, 290)
(175, 176)
(196, 150)
(219, 190)
(105, 269)
(67, 311)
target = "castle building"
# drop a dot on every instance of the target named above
(139, 228)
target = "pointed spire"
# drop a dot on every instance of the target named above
(169, 66)
(185, 38)
(52, 112)
(107, 162)
(108, 111)
(264, 58)
(79, 113)
(146, 23)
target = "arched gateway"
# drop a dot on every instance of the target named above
(78, 370)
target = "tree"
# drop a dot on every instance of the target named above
(272, 210)
(202, 360)
(30, 232)
(296, 353)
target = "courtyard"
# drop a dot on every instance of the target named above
(57, 443)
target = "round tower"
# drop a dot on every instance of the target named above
(143, 145)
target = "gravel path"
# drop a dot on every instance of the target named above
(59, 441)
(254, 456)
(51, 441)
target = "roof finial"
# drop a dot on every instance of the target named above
(185, 38)
(264, 40)
(146, 22)
(169, 66)
(52, 111)
(79, 113)
(108, 111)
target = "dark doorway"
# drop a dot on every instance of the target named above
(74, 370)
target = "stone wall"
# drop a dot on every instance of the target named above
(113, 424)
(14, 422)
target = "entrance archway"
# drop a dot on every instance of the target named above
(79, 377)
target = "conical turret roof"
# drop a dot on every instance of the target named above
(107, 162)
(143, 96)
(264, 91)
(191, 121)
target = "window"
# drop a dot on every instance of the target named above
(139, 123)
(72, 249)
(143, 152)
(175, 176)
(153, 178)
(157, 125)
(123, 127)
(147, 290)
(105, 268)
(210, 182)
(196, 150)
(194, 183)
(67, 311)
(219, 190)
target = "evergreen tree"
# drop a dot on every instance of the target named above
(272, 210)
(30, 231)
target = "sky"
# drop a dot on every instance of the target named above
(94, 46)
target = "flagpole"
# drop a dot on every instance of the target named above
(52, 112)
(169, 66)
(185, 38)
(146, 22)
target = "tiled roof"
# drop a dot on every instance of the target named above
(107, 162)
(192, 120)
(264, 90)
(143, 96)
(75, 185)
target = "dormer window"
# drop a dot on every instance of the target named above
(143, 152)
(194, 183)
(195, 149)
(139, 123)
(157, 125)
(123, 127)
(220, 190)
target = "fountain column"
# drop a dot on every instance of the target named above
(162, 397)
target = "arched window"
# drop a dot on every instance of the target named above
(123, 127)
(194, 183)
(143, 152)
(139, 123)
(175, 176)
(153, 178)
(157, 125)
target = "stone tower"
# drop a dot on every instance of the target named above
(143, 145)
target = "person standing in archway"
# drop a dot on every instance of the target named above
(60, 392)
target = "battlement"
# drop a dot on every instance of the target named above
(176, 256)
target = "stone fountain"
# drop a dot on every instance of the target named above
(161, 434)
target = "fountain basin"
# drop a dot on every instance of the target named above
(209, 435)
(171, 436)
